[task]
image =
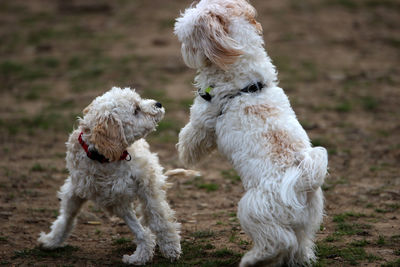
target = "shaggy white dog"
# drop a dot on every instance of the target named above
(240, 110)
(102, 170)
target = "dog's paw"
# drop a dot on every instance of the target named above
(143, 254)
(47, 241)
(136, 259)
(171, 250)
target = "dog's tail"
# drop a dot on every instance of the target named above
(181, 172)
(308, 176)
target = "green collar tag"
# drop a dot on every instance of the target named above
(208, 90)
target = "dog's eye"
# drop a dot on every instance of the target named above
(137, 110)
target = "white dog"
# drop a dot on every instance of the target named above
(240, 110)
(102, 170)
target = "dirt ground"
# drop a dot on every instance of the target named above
(338, 61)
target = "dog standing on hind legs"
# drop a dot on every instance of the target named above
(240, 110)
(96, 154)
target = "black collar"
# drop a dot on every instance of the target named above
(95, 155)
(252, 88)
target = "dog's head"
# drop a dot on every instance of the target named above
(217, 31)
(117, 119)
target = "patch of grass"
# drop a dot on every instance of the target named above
(166, 23)
(203, 234)
(369, 103)
(218, 262)
(55, 213)
(47, 62)
(192, 250)
(381, 241)
(44, 120)
(343, 228)
(37, 36)
(209, 187)
(310, 71)
(330, 184)
(359, 243)
(8, 68)
(60, 104)
(186, 103)
(344, 106)
(395, 263)
(168, 125)
(369, 206)
(388, 208)
(201, 184)
(319, 142)
(40, 253)
(342, 217)
(393, 41)
(350, 255)
(209, 246)
(225, 252)
(122, 241)
(231, 175)
(332, 238)
(36, 91)
(12, 70)
(37, 168)
(392, 4)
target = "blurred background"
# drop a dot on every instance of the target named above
(338, 61)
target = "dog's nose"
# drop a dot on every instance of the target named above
(158, 104)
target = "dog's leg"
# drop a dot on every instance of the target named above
(314, 165)
(306, 234)
(195, 143)
(160, 218)
(273, 243)
(197, 139)
(62, 226)
(143, 237)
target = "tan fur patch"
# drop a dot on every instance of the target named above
(109, 138)
(219, 47)
(86, 110)
(283, 146)
(245, 9)
(263, 111)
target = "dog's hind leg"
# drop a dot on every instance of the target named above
(306, 234)
(143, 237)
(273, 243)
(160, 218)
(62, 226)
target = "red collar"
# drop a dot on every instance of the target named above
(95, 155)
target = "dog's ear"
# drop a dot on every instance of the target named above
(206, 36)
(108, 137)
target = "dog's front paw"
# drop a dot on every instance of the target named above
(171, 250)
(48, 241)
(144, 253)
(136, 259)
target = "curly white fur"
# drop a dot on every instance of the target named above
(258, 132)
(111, 122)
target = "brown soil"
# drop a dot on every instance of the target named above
(338, 61)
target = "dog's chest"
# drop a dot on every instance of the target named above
(106, 187)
